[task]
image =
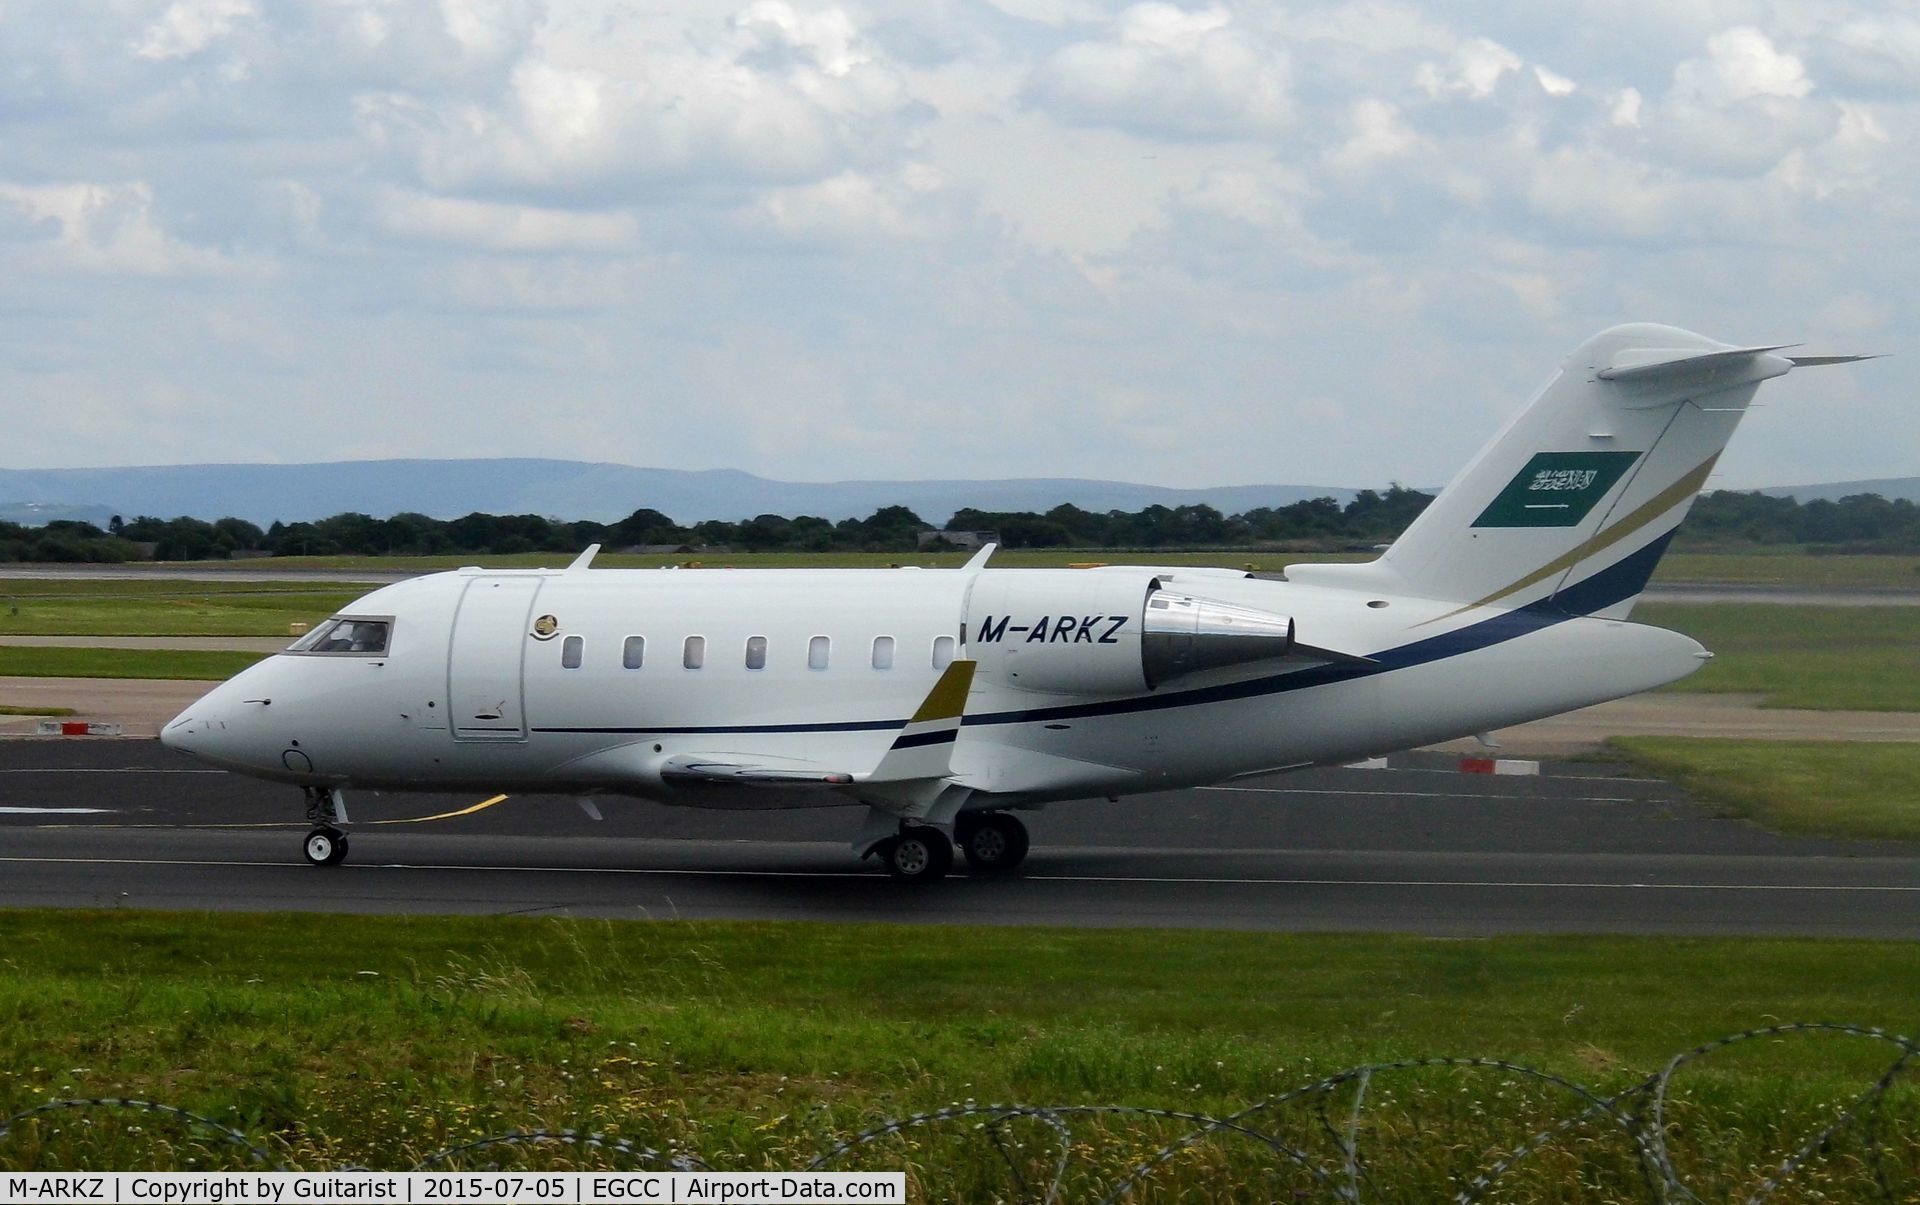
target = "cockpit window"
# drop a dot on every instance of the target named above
(346, 634)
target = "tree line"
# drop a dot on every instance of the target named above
(1723, 519)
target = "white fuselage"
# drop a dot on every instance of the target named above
(472, 692)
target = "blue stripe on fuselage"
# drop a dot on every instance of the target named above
(1622, 580)
(1616, 583)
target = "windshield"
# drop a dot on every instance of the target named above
(346, 634)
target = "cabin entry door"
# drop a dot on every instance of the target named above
(486, 698)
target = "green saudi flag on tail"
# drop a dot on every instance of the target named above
(1556, 489)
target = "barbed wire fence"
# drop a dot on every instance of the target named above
(1641, 1113)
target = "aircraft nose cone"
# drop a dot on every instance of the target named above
(179, 732)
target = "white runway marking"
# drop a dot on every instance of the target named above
(1519, 884)
(25, 811)
(104, 770)
(1420, 794)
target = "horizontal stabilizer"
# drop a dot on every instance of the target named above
(1823, 361)
(1649, 363)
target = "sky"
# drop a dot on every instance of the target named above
(1182, 244)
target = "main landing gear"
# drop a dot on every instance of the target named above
(991, 842)
(326, 845)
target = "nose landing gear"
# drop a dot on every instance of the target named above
(326, 845)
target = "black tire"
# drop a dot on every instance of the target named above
(325, 847)
(992, 841)
(918, 855)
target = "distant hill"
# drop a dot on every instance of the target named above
(1889, 488)
(566, 489)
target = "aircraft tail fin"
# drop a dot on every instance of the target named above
(1573, 503)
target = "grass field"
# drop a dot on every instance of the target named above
(1844, 658)
(756, 1045)
(1866, 789)
(1791, 567)
(24, 662)
(182, 608)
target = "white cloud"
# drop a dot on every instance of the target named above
(1554, 84)
(1378, 134)
(787, 97)
(1740, 64)
(1474, 69)
(1876, 50)
(188, 27)
(1626, 107)
(109, 229)
(854, 209)
(1740, 108)
(827, 38)
(1599, 193)
(1170, 72)
(503, 227)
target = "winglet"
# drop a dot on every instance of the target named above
(979, 559)
(584, 559)
(924, 748)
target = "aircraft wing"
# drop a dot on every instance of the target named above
(921, 752)
(689, 769)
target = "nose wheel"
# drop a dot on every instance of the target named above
(326, 847)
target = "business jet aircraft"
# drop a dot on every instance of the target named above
(946, 700)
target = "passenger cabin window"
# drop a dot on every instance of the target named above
(883, 652)
(756, 652)
(345, 634)
(572, 650)
(633, 654)
(818, 650)
(694, 654)
(942, 652)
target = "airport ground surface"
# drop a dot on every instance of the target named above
(1584, 848)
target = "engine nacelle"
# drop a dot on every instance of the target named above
(1107, 632)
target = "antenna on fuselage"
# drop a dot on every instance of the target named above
(584, 559)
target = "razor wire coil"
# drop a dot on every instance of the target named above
(1639, 1112)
